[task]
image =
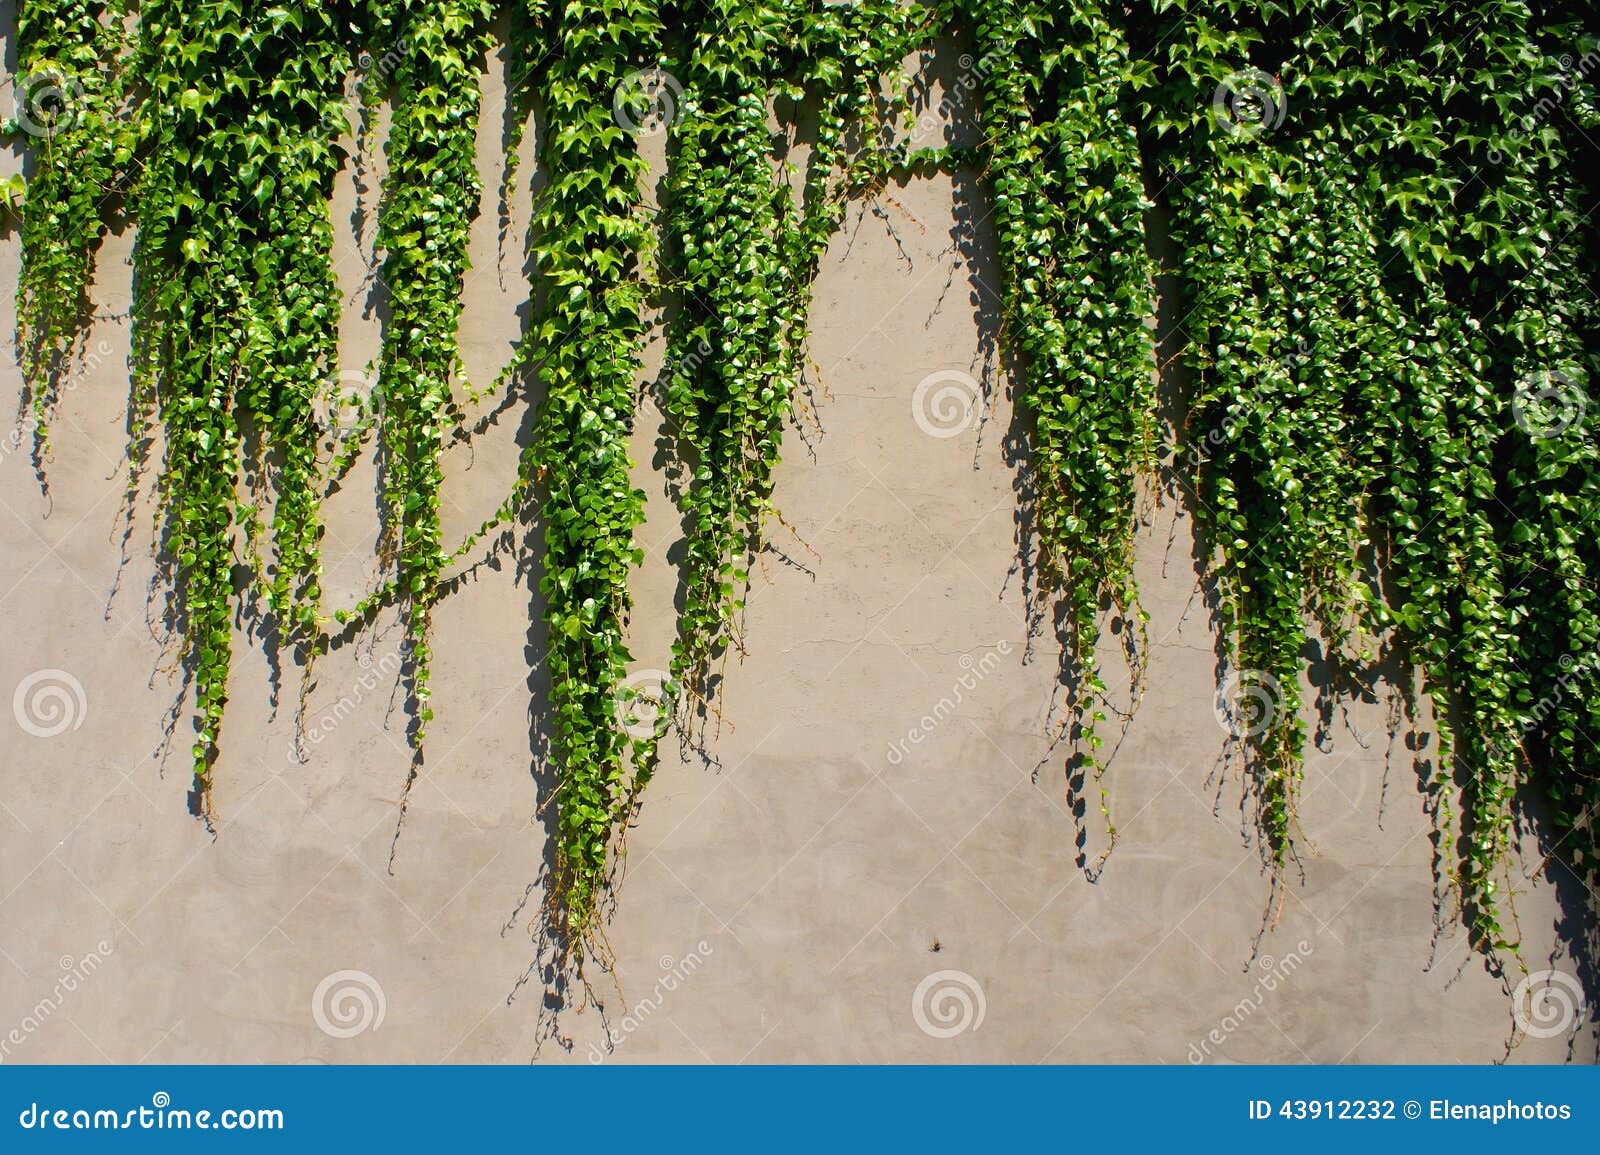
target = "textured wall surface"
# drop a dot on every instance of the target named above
(798, 900)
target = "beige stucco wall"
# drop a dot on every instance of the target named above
(785, 906)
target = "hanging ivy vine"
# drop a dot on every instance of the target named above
(1066, 172)
(1384, 225)
(1451, 268)
(743, 248)
(431, 198)
(69, 97)
(236, 309)
(588, 238)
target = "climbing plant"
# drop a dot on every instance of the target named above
(588, 238)
(69, 93)
(1069, 205)
(236, 308)
(430, 199)
(743, 249)
(1444, 248)
(1382, 226)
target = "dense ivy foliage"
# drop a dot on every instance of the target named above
(430, 200)
(1391, 338)
(588, 238)
(1069, 206)
(1382, 220)
(69, 94)
(236, 309)
(743, 247)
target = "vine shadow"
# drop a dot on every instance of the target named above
(1339, 680)
(976, 247)
(58, 367)
(556, 965)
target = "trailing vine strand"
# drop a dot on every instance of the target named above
(1383, 225)
(588, 238)
(1069, 199)
(743, 248)
(69, 93)
(430, 201)
(236, 308)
